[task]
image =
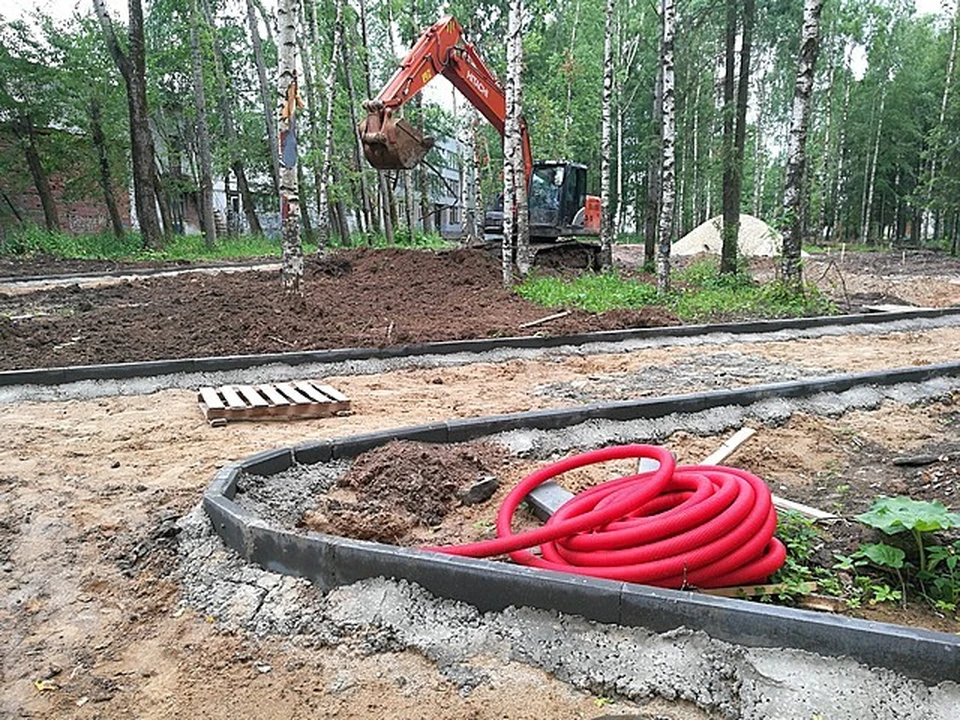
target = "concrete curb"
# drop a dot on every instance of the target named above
(145, 272)
(122, 371)
(330, 561)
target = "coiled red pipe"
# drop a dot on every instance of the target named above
(692, 525)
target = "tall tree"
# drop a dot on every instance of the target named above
(793, 196)
(226, 104)
(205, 156)
(28, 135)
(735, 128)
(132, 66)
(668, 140)
(607, 229)
(105, 174)
(323, 192)
(265, 94)
(291, 269)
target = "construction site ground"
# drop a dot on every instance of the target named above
(108, 604)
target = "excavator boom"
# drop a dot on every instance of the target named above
(390, 143)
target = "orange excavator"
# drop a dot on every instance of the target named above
(559, 206)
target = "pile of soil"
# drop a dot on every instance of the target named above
(390, 491)
(356, 298)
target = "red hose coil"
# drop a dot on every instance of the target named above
(693, 525)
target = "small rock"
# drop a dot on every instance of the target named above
(115, 464)
(480, 491)
(7, 567)
(263, 668)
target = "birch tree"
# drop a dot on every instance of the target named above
(268, 107)
(291, 267)
(511, 146)
(668, 135)
(323, 192)
(607, 229)
(793, 197)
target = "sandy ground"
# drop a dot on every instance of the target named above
(89, 489)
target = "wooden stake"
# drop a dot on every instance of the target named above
(548, 318)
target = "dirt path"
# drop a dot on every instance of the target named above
(89, 489)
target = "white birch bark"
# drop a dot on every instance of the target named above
(323, 192)
(872, 178)
(510, 146)
(948, 82)
(291, 266)
(606, 221)
(269, 115)
(524, 259)
(668, 144)
(793, 195)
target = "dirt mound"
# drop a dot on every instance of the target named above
(355, 298)
(393, 489)
(756, 238)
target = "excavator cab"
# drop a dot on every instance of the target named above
(557, 202)
(391, 143)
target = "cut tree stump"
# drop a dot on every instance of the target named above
(272, 401)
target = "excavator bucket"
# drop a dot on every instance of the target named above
(390, 143)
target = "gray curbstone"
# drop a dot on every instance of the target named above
(268, 462)
(312, 452)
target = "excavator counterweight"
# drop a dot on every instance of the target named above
(391, 143)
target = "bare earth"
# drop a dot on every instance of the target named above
(91, 620)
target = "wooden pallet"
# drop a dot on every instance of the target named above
(282, 400)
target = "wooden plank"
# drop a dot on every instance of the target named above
(729, 447)
(234, 401)
(209, 397)
(332, 393)
(811, 512)
(310, 391)
(291, 392)
(252, 397)
(272, 395)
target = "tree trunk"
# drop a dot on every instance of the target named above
(654, 172)
(132, 67)
(793, 197)
(291, 266)
(731, 209)
(871, 180)
(268, 107)
(105, 177)
(759, 161)
(521, 181)
(38, 174)
(740, 134)
(203, 135)
(226, 107)
(368, 223)
(323, 219)
(944, 100)
(837, 179)
(665, 226)
(309, 53)
(607, 229)
(511, 140)
(568, 69)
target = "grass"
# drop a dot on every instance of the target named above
(33, 241)
(700, 293)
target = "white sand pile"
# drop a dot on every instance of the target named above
(756, 239)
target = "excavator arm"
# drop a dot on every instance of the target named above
(392, 143)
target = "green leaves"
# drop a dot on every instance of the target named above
(896, 515)
(883, 555)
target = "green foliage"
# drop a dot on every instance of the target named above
(882, 555)
(896, 515)
(591, 292)
(700, 293)
(936, 571)
(33, 241)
